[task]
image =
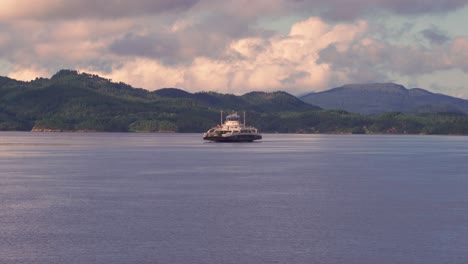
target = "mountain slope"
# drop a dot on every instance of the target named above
(79, 101)
(253, 101)
(72, 101)
(385, 97)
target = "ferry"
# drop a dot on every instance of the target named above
(232, 130)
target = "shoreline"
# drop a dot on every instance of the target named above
(39, 131)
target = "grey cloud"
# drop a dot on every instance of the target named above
(207, 38)
(343, 10)
(225, 24)
(355, 65)
(423, 6)
(334, 9)
(169, 48)
(292, 78)
(376, 62)
(435, 36)
(348, 10)
(144, 46)
(414, 61)
(49, 10)
(331, 9)
(15, 45)
(338, 9)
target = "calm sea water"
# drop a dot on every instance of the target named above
(172, 198)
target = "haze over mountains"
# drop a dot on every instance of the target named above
(380, 98)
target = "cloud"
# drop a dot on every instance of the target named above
(62, 45)
(294, 77)
(171, 47)
(28, 73)
(268, 63)
(435, 36)
(314, 55)
(185, 39)
(376, 58)
(247, 10)
(143, 73)
(221, 46)
(459, 52)
(349, 10)
(63, 9)
(358, 63)
(423, 6)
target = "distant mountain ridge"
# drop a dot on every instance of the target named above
(254, 101)
(72, 101)
(380, 98)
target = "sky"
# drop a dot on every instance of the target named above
(237, 46)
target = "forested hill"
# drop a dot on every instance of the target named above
(79, 101)
(72, 101)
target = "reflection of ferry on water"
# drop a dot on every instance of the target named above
(232, 131)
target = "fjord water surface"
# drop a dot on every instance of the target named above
(172, 198)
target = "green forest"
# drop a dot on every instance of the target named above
(72, 101)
